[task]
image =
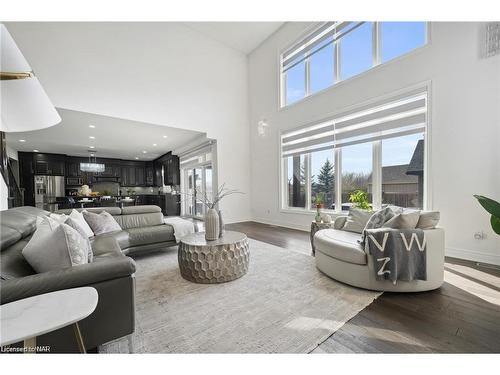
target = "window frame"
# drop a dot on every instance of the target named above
(376, 164)
(376, 62)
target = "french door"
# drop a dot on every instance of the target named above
(198, 183)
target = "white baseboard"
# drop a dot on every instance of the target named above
(475, 256)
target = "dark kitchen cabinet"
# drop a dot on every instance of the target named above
(172, 175)
(140, 176)
(150, 174)
(26, 177)
(73, 168)
(50, 164)
(128, 176)
(158, 173)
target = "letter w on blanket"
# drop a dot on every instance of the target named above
(398, 254)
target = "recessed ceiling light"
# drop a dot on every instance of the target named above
(35, 150)
(92, 154)
(92, 137)
(154, 144)
(92, 126)
(165, 136)
(91, 146)
(144, 152)
(22, 140)
(137, 158)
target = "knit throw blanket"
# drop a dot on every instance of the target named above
(398, 254)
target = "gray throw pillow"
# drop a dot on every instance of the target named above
(404, 220)
(55, 246)
(356, 220)
(76, 226)
(101, 223)
(378, 219)
(428, 219)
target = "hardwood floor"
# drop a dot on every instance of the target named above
(463, 316)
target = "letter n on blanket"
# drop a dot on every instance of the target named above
(398, 254)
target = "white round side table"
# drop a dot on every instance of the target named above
(25, 319)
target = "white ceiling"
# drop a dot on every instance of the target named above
(242, 36)
(114, 138)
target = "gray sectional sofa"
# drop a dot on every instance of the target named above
(111, 273)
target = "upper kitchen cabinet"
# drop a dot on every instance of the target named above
(49, 164)
(150, 174)
(73, 167)
(172, 175)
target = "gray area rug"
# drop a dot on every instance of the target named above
(282, 305)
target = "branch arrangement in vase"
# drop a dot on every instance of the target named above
(211, 202)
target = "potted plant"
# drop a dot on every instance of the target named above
(359, 199)
(493, 208)
(318, 201)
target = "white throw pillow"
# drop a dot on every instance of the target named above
(404, 220)
(59, 218)
(54, 246)
(76, 226)
(357, 219)
(78, 217)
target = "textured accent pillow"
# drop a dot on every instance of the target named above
(378, 219)
(404, 220)
(101, 223)
(428, 219)
(76, 226)
(53, 248)
(356, 220)
(78, 217)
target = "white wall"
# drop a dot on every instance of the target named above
(465, 134)
(161, 73)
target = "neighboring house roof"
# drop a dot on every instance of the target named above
(416, 166)
(396, 174)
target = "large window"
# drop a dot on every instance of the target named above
(296, 181)
(398, 38)
(323, 178)
(379, 150)
(336, 51)
(403, 171)
(356, 54)
(357, 165)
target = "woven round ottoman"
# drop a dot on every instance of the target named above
(210, 262)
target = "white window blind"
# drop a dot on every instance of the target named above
(196, 156)
(401, 115)
(326, 34)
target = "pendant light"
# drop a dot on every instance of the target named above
(24, 105)
(92, 165)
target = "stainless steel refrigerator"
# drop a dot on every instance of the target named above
(47, 190)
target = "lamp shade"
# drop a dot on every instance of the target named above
(12, 59)
(24, 105)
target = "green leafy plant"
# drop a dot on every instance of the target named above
(493, 208)
(318, 199)
(359, 199)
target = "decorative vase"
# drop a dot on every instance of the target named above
(212, 225)
(222, 228)
(317, 218)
